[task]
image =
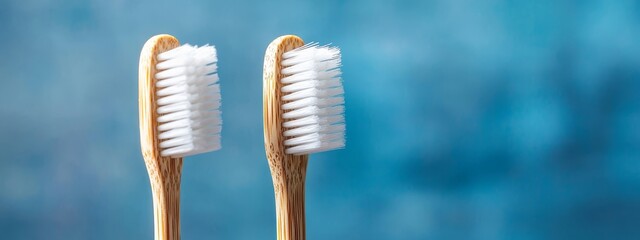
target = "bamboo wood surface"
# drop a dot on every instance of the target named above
(164, 172)
(287, 171)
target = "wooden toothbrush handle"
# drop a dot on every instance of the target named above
(164, 172)
(287, 171)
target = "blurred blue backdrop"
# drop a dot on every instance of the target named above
(465, 119)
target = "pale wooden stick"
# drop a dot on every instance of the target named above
(164, 172)
(287, 171)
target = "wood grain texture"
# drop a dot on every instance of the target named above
(164, 172)
(287, 171)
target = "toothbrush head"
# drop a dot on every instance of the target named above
(312, 99)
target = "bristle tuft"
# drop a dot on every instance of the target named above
(188, 99)
(314, 102)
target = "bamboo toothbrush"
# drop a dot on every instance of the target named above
(179, 99)
(303, 114)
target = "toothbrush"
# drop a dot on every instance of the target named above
(303, 114)
(179, 99)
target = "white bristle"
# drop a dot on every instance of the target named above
(188, 101)
(314, 107)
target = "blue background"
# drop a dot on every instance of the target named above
(465, 119)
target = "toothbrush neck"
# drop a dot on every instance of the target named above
(289, 180)
(166, 201)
